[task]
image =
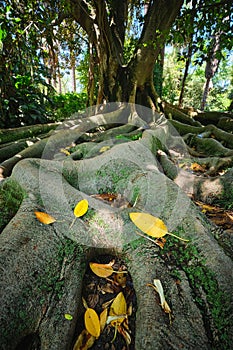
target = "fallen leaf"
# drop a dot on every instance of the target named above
(104, 149)
(92, 322)
(118, 308)
(151, 225)
(159, 289)
(112, 319)
(160, 242)
(68, 317)
(105, 196)
(84, 303)
(102, 270)
(198, 167)
(107, 303)
(81, 208)
(103, 319)
(44, 217)
(125, 335)
(63, 150)
(120, 279)
(85, 341)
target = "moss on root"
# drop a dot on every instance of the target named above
(11, 196)
(206, 292)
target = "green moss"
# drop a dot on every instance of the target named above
(11, 196)
(226, 200)
(187, 258)
(113, 177)
(50, 281)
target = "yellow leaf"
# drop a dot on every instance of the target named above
(92, 322)
(103, 319)
(81, 208)
(84, 303)
(84, 341)
(102, 270)
(63, 150)
(149, 224)
(197, 167)
(104, 149)
(118, 308)
(44, 217)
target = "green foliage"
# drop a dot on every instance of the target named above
(219, 95)
(62, 106)
(22, 72)
(11, 196)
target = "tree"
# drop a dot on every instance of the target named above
(105, 24)
(141, 164)
(202, 32)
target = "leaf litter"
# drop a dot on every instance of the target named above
(109, 307)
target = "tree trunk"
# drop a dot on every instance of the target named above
(158, 73)
(73, 70)
(187, 64)
(131, 82)
(205, 93)
(211, 68)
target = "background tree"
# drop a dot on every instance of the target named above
(202, 32)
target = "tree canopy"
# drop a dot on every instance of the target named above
(122, 41)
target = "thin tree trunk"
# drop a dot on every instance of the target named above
(158, 72)
(73, 72)
(189, 55)
(187, 64)
(205, 93)
(211, 67)
(91, 80)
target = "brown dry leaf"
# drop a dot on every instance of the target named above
(107, 288)
(93, 299)
(44, 217)
(102, 270)
(151, 225)
(120, 279)
(85, 341)
(125, 335)
(230, 215)
(105, 196)
(217, 214)
(208, 208)
(119, 309)
(92, 322)
(160, 242)
(106, 305)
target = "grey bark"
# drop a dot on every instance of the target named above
(42, 266)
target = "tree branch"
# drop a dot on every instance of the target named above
(82, 14)
(158, 20)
